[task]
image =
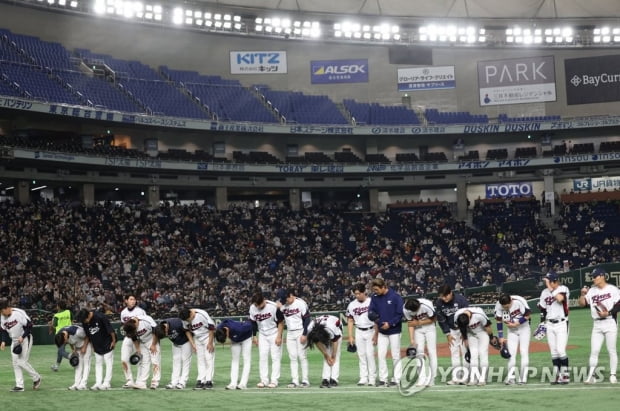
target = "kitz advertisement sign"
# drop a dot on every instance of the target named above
(339, 71)
(592, 79)
(258, 62)
(516, 81)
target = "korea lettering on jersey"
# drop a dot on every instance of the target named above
(145, 328)
(477, 321)
(607, 296)
(294, 314)
(517, 310)
(555, 310)
(201, 324)
(425, 312)
(358, 310)
(266, 318)
(128, 314)
(15, 323)
(332, 326)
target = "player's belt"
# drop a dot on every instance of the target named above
(365, 329)
(559, 320)
(601, 319)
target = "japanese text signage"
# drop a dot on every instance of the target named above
(258, 62)
(426, 78)
(339, 71)
(592, 79)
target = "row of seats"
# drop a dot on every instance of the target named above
(504, 118)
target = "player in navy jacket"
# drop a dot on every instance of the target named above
(101, 335)
(182, 348)
(386, 310)
(240, 335)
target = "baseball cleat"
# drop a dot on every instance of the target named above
(199, 385)
(272, 385)
(36, 384)
(231, 387)
(208, 385)
(242, 387)
(260, 385)
(95, 387)
(128, 384)
(81, 388)
(292, 385)
(324, 384)
(590, 380)
(72, 388)
(54, 368)
(170, 386)
(104, 387)
(305, 384)
(362, 383)
(17, 389)
(333, 383)
(510, 381)
(612, 379)
(179, 386)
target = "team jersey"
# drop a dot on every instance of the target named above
(267, 318)
(17, 324)
(554, 309)
(598, 298)
(358, 311)
(518, 309)
(238, 331)
(425, 311)
(176, 331)
(296, 315)
(127, 313)
(201, 325)
(99, 332)
(144, 329)
(76, 335)
(477, 321)
(445, 311)
(332, 326)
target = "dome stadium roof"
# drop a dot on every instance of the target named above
(481, 9)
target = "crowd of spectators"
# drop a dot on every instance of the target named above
(194, 255)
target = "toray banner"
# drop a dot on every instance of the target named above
(508, 190)
(258, 62)
(592, 79)
(515, 81)
(339, 71)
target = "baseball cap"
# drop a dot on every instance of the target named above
(281, 295)
(598, 271)
(552, 276)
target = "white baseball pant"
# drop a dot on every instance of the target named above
(20, 362)
(108, 359)
(457, 356)
(205, 361)
(82, 370)
(297, 355)
(149, 359)
(393, 340)
(479, 350)
(181, 363)
(557, 337)
(267, 347)
(366, 355)
(240, 349)
(332, 372)
(427, 334)
(604, 330)
(127, 349)
(520, 337)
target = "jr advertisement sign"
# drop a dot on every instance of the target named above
(592, 79)
(509, 190)
(339, 71)
(426, 78)
(258, 62)
(515, 81)
(596, 184)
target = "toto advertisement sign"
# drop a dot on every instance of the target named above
(592, 79)
(509, 190)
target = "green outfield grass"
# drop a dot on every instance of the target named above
(536, 395)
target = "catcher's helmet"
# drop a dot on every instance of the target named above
(17, 349)
(412, 351)
(504, 351)
(351, 347)
(135, 359)
(74, 359)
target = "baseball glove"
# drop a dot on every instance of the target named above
(494, 341)
(135, 359)
(351, 347)
(412, 351)
(540, 332)
(74, 359)
(17, 349)
(504, 351)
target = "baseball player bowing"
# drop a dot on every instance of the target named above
(445, 306)
(604, 302)
(127, 345)
(75, 336)
(140, 330)
(514, 312)
(240, 335)
(268, 322)
(182, 348)
(357, 316)
(476, 330)
(15, 327)
(420, 316)
(296, 318)
(101, 335)
(203, 328)
(325, 332)
(553, 306)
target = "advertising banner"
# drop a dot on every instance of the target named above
(596, 184)
(508, 190)
(258, 62)
(592, 79)
(516, 81)
(426, 78)
(339, 71)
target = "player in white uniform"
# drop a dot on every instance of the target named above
(75, 336)
(203, 328)
(553, 306)
(326, 333)
(476, 330)
(296, 317)
(604, 302)
(420, 316)
(15, 326)
(268, 322)
(127, 347)
(514, 312)
(357, 316)
(140, 330)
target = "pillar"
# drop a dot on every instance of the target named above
(153, 196)
(294, 199)
(88, 195)
(221, 198)
(373, 200)
(461, 200)
(549, 183)
(22, 192)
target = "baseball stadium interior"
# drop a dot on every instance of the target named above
(205, 146)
